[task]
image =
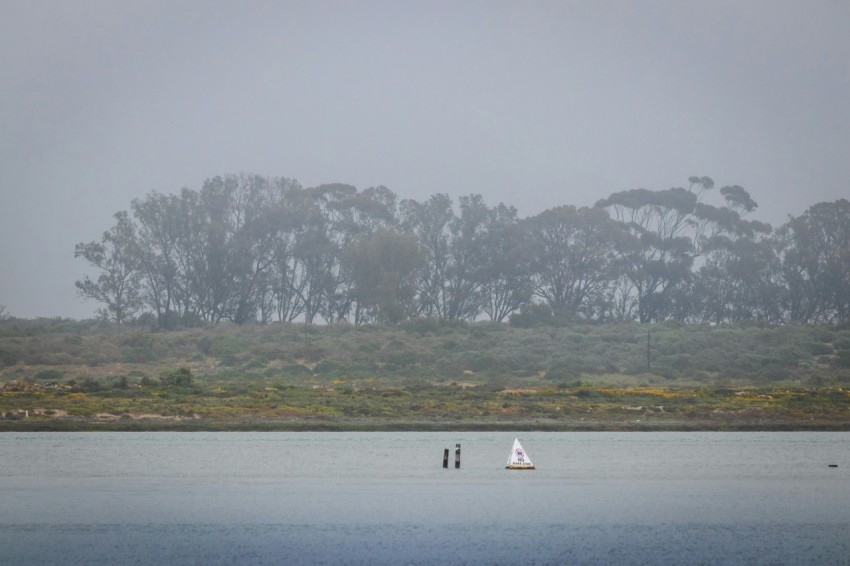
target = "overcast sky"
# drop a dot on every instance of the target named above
(535, 104)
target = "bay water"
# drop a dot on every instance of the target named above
(384, 498)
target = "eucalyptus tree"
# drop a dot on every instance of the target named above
(350, 214)
(658, 222)
(449, 284)
(671, 228)
(736, 279)
(209, 255)
(182, 243)
(815, 255)
(313, 252)
(829, 226)
(738, 282)
(263, 217)
(429, 223)
(116, 257)
(373, 209)
(193, 296)
(247, 248)
(284, 294)
(383, 264)
(330, 220)
(505, 273)
(462, 296)
(207, 244)
(574, 259)
(158, 219)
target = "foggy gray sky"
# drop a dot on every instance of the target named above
(535, 104)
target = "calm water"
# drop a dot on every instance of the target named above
(357, 498)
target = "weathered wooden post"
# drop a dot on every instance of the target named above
(446, 458)
(457, 456)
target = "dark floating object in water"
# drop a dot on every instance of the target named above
(446, 457)
(833, 465)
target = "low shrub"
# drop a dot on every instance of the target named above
(88, 385)
(482, 361)
(842, 359)
(139, 355)
(421, 326)
(401, 358)
(819, 348)
(562, 371)
(9, 356)
(327, 367)
(296, 370)
(49, 375)
(180, 377)
(256, 363)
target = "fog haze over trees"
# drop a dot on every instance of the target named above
(536, 105)
(251, 249)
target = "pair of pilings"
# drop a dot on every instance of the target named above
(457, 457)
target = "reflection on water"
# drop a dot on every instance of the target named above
(335, 498)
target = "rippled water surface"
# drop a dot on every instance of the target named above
(357, 498)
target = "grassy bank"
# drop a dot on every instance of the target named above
(63, 375)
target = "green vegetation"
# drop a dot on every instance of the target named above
(422, 375)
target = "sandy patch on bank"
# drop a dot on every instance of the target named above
(59, 414)
(53, 413)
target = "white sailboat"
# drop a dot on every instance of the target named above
(519, 460)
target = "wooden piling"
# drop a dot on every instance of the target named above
(446, 458)
(457, 456)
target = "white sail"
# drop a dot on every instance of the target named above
(519, 460)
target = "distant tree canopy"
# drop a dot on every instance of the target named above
(251, 249)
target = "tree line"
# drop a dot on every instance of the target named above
(253, 249)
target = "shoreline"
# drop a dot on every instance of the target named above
(63, 425)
